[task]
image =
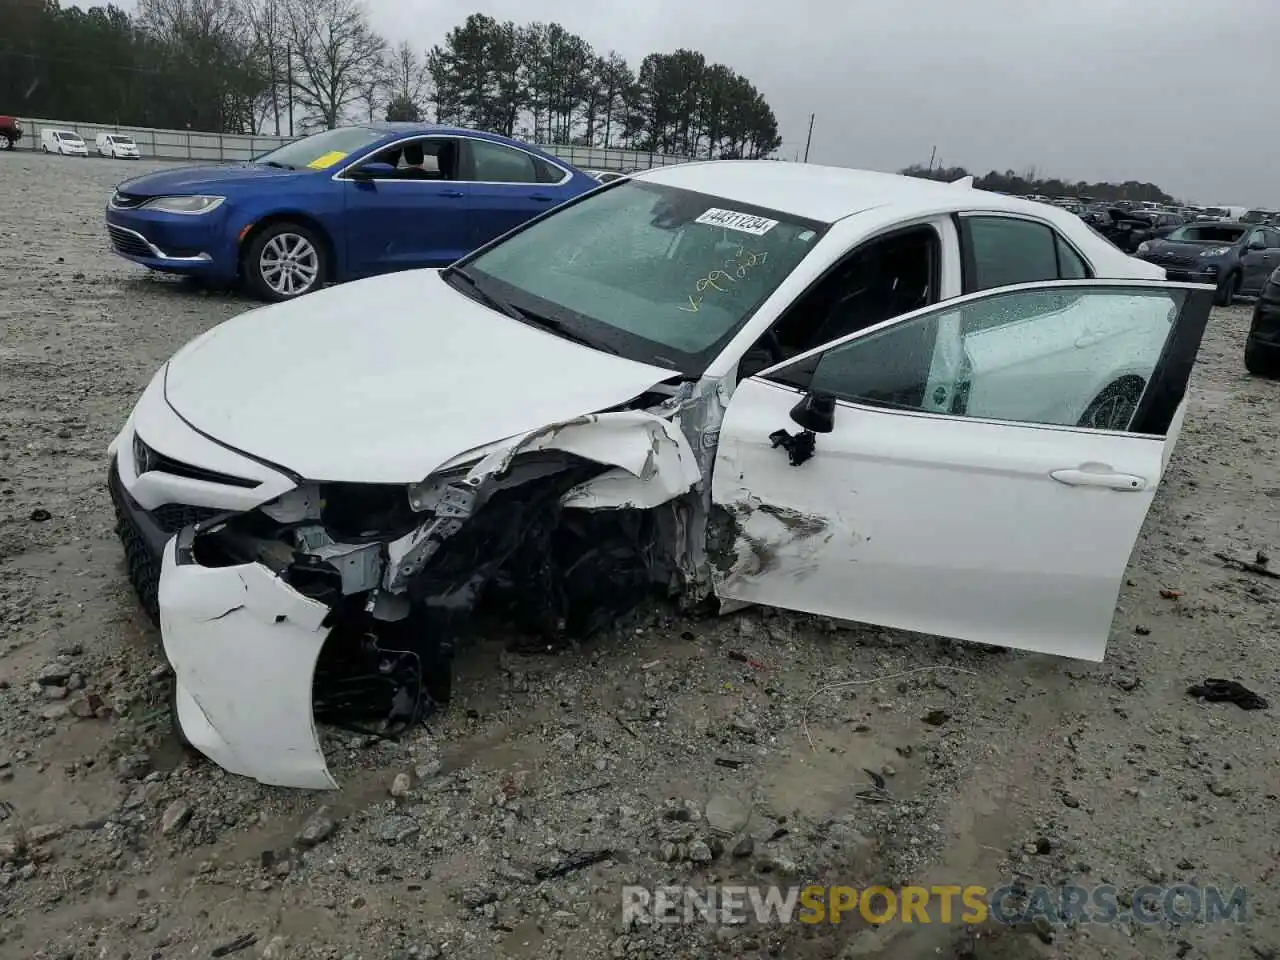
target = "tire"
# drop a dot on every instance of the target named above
(44, 148)
(173, 714)
(1256, 361)
(1227, 291)
(302, 254)
(1113, 408)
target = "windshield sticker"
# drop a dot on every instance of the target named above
(732, 220)
(326, 160)
(805, 236)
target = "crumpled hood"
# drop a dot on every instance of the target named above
(383, 380)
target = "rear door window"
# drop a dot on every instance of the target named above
(1000, 251)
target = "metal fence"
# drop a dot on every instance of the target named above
(195, 145)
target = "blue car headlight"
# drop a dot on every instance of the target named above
(188, 205)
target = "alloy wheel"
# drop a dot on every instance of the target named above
(289, 264)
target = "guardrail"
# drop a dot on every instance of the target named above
(158, 144)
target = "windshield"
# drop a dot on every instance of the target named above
(123, 141)
(70, 137)
(1207, 233)
(322, 150)
(657, 274)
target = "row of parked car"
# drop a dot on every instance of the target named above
(68, 143)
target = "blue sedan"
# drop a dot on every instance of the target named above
(339, 205)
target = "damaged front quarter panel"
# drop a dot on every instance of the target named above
(261, 610)
(648, 459)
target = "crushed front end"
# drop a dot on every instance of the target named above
(344, 602)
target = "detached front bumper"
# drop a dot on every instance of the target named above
(244, 645)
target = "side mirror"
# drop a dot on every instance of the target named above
(815, 412)
(373, 171)
(1256, 244)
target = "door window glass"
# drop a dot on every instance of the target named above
(1066, 358)
(1070, 266)
(430, 158)
(547, 172)
(1007, 251)
(495, 163)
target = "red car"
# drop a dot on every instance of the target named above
(10, 132)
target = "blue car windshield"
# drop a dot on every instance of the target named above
(321, 150)
(655, 273)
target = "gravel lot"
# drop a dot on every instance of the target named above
(458, 841)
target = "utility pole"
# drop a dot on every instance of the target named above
(931, 157)
(809, 139)
(288, 59)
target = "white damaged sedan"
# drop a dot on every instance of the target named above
(854, 394)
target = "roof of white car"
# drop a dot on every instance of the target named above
(828, 193)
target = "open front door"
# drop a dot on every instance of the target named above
(979, 469)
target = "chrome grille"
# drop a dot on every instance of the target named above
(127, 242)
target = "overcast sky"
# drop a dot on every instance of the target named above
(1184, 93)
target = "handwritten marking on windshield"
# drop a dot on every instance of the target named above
(740, 264)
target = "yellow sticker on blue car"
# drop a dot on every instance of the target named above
(326, 160)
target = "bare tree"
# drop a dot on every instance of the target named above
(409, 83)
(267, 19)
(335, 53)
(207, 44)
(374, 85)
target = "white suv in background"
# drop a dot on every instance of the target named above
(117, 145)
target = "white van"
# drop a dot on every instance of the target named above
(66, 142)
(117, 145)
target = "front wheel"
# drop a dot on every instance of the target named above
(284, 261)
(1114, 407)
(1227, 291)
(1260, 363)
(174, 719)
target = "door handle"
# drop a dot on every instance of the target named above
(541, 198)
(1088, 340)
(1099, 475)
(451, 193)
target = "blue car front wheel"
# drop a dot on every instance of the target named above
(285, 260)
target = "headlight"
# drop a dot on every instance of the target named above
(190, 205)
(1144, 246)
(1215, 251)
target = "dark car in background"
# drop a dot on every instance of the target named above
(346, 203)
(1236, 257)
(1262, 346)
(1127, 229)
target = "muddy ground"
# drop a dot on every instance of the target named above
(996, 766)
